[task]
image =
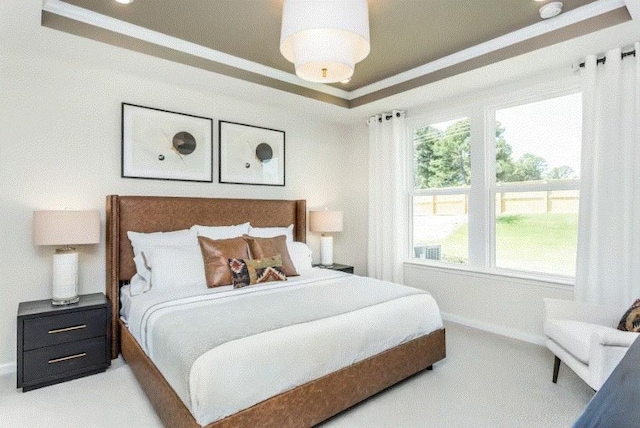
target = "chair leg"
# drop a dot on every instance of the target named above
(556, 368)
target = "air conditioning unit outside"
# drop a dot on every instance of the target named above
(429, 252)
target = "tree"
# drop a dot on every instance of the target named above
(450, 164)
(560, 172)
(529, 167)
(442, 158)
(423, 140)
(504, 163)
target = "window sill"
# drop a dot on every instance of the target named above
(527, 279)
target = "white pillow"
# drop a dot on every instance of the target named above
(222, 232)
(270, 232)
(145, 242)
(139, 285)
(300, 255)
(176, 267)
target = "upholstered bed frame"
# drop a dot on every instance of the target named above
(303, 406)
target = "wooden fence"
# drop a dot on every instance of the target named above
(553, 201)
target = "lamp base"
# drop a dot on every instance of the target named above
(326, 251)
(65, 277)
(62, 302)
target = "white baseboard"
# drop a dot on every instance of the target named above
(7, 368)
(495, 328)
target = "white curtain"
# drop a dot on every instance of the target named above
(608, 263)
(387, 196)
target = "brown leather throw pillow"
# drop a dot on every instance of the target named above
(271, 247)
(216, 254)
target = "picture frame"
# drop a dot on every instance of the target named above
(166, 145)
(251, 154)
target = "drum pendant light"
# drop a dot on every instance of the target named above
(325, 38)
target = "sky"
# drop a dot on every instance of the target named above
(551, 129)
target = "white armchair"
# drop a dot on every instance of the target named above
(585, 338)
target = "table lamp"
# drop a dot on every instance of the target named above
(325, 222)
(65, 228)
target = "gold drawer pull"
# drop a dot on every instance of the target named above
(70, 357)
(62, 330)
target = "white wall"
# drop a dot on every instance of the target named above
(60, 100)
(509, 306)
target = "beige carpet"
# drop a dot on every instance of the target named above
(486, 381)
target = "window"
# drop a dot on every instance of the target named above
(537, 180)
(498, 189)
(442, 177)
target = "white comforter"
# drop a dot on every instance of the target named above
(224, 350)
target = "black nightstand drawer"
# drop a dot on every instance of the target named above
(60, 343)
(338, 267)
(62, 328)
(43, 364)
(343, 268)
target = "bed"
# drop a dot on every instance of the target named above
(302, 405)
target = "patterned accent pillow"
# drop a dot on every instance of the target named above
(270, 247)
(631, 319)
(249, 272)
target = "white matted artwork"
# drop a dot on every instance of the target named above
(166, 145)
(251, 155)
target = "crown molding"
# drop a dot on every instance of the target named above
(633, 6)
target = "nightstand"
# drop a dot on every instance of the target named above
(336, 266)
(60, 343)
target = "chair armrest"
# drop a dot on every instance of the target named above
(613, 337)
(607, 348)
(580, 311)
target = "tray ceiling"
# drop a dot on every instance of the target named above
(413, 42)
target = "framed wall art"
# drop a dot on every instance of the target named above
(251, 155)
(166, 145)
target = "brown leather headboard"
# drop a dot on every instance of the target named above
(162, 214)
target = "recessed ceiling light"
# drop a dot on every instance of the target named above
(345, 81)
(550, 10)
(125, 1)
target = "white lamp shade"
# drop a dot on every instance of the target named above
(66, 227)
(325, 38)
(325, 221)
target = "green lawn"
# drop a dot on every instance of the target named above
(534, 242)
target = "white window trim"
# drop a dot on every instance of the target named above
(550, 281)
(481, 220)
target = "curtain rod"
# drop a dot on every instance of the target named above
(604, 58)
(386, 116)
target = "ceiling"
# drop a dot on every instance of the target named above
(413, 42)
